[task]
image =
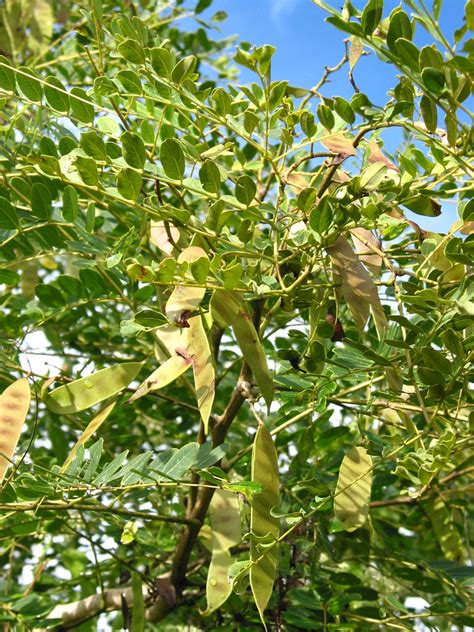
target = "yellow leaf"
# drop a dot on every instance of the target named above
(14, 405)
(92, 426)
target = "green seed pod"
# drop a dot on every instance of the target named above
(90, 390)
(14, 405)
(263, 525)
(224, 515)
(354, 485)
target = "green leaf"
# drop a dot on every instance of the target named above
(245, 190)
(49, 295)
(8, 217)
(263, 525)
(132, 51)
(210, 176)
(130, 81)
(433, 79)
(28, 84)
(81, 107)
(129, 183)
(41, 201)
(343, 108)
(7, 75)
(56, 95)
(88, 391)
(161, 62)
(429, 113)
(353, 490)
(400, 26)
(371, 16)
(93, 145)
(183, 69)
(408, 53)
(325, 116)
(134, 150)
(172, 159)
(202, 5)
(70, 203)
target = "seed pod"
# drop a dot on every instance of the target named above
(352, 497)
(92, 426)
(90, 390)
(224, 515)
(204, 374)
(14, 405)
(184, 300)
(263, 525)
(227, 309)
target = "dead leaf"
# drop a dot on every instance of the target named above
(363, 239)
(358, 288)
(340, 145)
(376, 155)
(160, 233)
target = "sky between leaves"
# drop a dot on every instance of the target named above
(305, 44)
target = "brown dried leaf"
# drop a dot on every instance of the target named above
(339, 144)
(376, 155)
(358, 288)
(363, 239)
(160, 236)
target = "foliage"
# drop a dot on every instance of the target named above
(158, 218)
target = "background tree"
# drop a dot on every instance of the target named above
(206, 260)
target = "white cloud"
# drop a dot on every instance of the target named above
(280, 8)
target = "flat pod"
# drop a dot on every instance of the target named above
(224, 516)
(166, 373)
(353, 490)
(227, 309)
(262, 524)
(14, 406)
(203, 368)
(88, 391)
(185, 299)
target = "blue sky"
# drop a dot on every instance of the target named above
(305, 43)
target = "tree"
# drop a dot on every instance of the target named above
(258, 405)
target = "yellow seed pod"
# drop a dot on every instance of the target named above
(263, 525)
(353, 490)
(14, 405)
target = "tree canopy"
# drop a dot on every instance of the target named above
(256, 409)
